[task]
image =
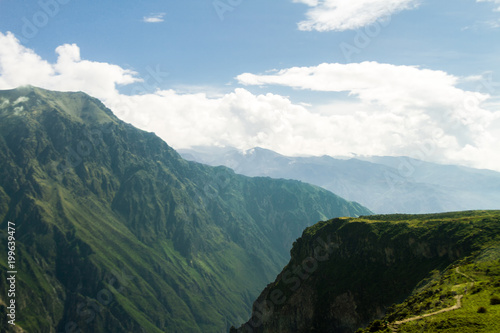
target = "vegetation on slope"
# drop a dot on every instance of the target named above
(117, 233)
(347, 272)
(463, 298)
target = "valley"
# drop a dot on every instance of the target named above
(116, 232)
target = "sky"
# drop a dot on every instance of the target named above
(416, 78)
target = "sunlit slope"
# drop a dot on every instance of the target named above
(117, 233)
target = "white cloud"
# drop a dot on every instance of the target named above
(340, 15)
(239, 119)
(154, 18)
(311, 3)
(397, 86)
(391, 110)
(493, 24)
(21, 66)
(403, 109)
(494, 1)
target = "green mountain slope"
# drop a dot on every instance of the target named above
(347, 272)
(463, 298)
(116, 233)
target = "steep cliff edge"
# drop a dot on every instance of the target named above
(346, 272)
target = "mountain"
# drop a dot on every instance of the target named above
(383, 272)
(383, 184)
(115, 232)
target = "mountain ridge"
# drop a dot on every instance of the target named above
(383, 184)
(117, 233)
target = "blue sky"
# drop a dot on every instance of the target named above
(196, 47)
(398, 76)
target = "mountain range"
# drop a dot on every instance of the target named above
(383, 184)
(115, 232)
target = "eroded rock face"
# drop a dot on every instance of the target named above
(344, 308)
(365, 267)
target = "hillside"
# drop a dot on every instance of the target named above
(383, 184)
(463, 298)
(347, 272)
(115, 232)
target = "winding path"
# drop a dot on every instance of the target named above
(458, 305)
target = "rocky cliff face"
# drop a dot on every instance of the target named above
(344, 273)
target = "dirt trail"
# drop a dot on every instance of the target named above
(458, 305)
(472, 280)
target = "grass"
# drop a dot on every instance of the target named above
(477, 312)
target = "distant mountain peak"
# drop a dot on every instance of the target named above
(384, 184)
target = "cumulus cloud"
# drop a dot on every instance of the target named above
(154, 18)
(405, 110)
(340, 15)
(400, 87)
(21, 66)
(239, 119)
(390, 110)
